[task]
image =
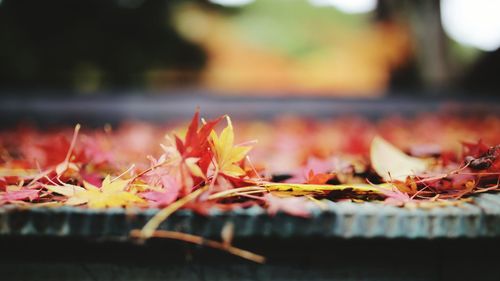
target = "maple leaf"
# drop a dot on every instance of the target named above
(58, 151)
(95, 151)
(191, 156)
(18, 195)
(196, 141)
(320, 178)
(111, 194)
(314, 166)
(396, 197)
(170, 192)
(53, 150)
(227, 155)
(187, 170)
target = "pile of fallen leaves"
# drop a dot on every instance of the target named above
(203, 168)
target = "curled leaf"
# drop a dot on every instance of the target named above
(392, 164)
(67, 190)
(302, 189)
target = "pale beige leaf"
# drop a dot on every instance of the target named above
(392, 164)
(67, 190)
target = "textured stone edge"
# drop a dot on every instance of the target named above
(345, 220)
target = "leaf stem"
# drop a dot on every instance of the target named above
(229, 192)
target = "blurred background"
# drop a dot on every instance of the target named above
(338, 48)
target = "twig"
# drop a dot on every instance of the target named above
(72, 144)
(203, 242)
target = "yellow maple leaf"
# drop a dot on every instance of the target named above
(111, 194)
(226, 153)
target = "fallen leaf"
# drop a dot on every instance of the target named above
(111, 194)
(17, 195)
(170, 192)
(67, 190)
(227, 155)
(196, 140)
(302, 189)
(314, 165)
(392, 164)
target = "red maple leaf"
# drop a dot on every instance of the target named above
(196, 143)
(54, 150)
